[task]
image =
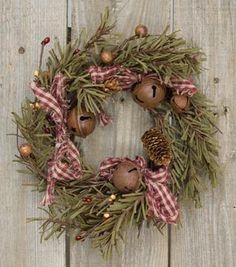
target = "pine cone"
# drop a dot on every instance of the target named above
(112, 85)
(157, 146)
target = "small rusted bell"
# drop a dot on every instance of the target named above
(107, 57)
(126, 177)
(25, 150)
(149, 93)
(180, 103)
(82, 124)
(141, 30)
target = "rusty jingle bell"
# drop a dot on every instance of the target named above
(180, 103)
(82, 123)
(149, 93)
(126, 177)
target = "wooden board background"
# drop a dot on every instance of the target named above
(208, 235)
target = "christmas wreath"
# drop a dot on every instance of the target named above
(181, 152)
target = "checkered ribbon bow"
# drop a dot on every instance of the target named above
(65, 151)
(162, 203)
(127, 78)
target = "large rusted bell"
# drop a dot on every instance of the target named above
(126, 177)
(82, 124)
(149, 93)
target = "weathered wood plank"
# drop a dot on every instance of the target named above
(23, 24)
(208, 235)
(122, 138)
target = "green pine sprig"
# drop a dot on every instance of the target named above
(87, 219)
(36, 130)
(166, 55)
(194, 147)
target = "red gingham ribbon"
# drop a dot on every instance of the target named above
(183, 87)
(54, 103)
(127, 78)
(104, 119)
(101, 74)
(162, 203)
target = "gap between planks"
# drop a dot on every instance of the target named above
(172, 26)
(68, 39)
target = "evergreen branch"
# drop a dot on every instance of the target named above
(32, 126)
(104, 28)
(164, 54)
(87, 218)
(194, 148)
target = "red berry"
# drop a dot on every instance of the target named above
(45, 41)
(78, 237)
(87, 200)
(47, 130)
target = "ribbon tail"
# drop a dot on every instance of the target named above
(49, 195)
(104, 119)
(162, 203)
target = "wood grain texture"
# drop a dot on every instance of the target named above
(208, 235)
(23, 24)
(122, 138)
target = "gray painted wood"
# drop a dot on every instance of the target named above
(23, 24)
(208, 235)
(122, 138)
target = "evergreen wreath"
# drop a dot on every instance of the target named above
(69, 98)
